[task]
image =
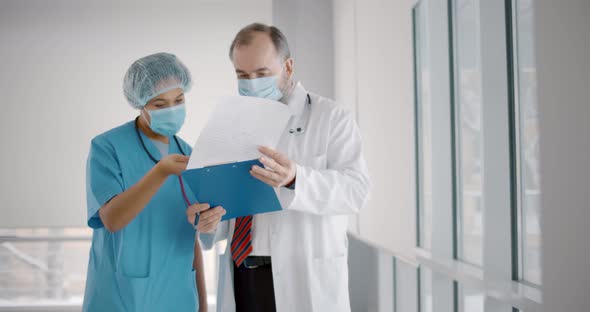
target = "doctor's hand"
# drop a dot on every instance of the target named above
(208, 218)
(279, 169)
(172, 164)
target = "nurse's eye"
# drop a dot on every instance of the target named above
(180, 101)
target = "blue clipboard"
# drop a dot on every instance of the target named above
(233, 187)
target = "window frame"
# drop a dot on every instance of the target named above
(495, 278)
(518, 218)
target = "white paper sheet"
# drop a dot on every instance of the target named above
(237, 126)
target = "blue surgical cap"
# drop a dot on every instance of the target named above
(153, 75)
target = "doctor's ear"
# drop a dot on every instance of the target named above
(289, 63)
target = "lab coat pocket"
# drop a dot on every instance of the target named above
(331, 274)
(135, 249)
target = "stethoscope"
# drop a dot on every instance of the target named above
(300, 130)
(186, 200)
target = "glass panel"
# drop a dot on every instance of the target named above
(470, 300)
(406, 287)
(47, 267)
(468, 125)
(528, 149)
(423, 127)
(425, 290)
(44, 272)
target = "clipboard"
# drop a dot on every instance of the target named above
(233, 187)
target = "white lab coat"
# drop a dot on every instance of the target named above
(308, 243)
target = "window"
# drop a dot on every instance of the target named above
(526, 139)
(42, 267)
(468, 129)
(477, 149)
(423, 122)
(470, 300)
(425, 290)
(406, 287)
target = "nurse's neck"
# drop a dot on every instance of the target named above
(145, 128)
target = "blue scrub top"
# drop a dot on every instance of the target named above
(147, 265)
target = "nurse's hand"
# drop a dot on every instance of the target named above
(172, 164)
(279, 169)
(208, 218)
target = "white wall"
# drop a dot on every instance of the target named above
(374, 77)
(563, 70)
(345, 51)
(361, 51)
(307, 24)
(62, 67)
(374, 72)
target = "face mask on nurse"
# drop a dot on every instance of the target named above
(167, 121)
(166, 112)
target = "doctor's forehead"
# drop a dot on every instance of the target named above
(257, 54)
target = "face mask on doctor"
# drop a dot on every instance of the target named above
(264, 87)
(167, 121)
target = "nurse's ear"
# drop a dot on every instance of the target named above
(144, 116)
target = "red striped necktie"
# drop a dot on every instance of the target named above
(241, 242)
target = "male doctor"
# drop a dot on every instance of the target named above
(294, 259)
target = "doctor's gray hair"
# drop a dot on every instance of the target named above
(245, 36)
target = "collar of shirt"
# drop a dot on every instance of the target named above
(297, 100)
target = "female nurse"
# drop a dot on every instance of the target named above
(144, 256)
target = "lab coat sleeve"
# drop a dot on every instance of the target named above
(208, 240)
(104, 179)
(343, 187)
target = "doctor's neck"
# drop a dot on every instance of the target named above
(143, 125)
(288, 90)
